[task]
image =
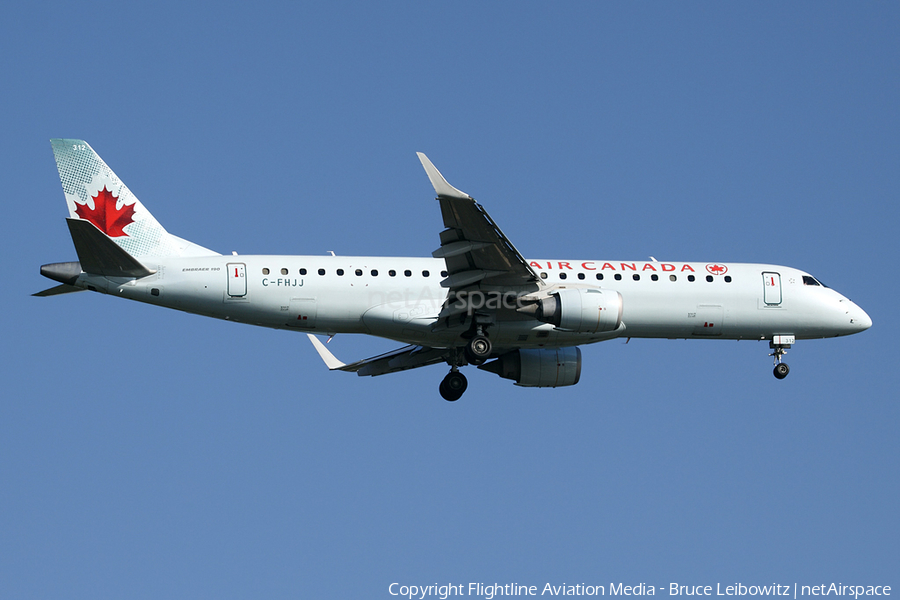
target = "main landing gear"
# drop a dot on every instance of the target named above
(781, 369)
(476, 352)
(453, 386)
(478, 349)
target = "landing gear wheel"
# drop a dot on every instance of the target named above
(781, 370)
(453, 386)
(778, 350)
(478, 350)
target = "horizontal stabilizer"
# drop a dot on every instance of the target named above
(99, 255)
(60, 289)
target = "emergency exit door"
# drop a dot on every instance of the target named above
(237, 280)
(771, 289)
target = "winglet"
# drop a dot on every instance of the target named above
(441, 187)
(330, 360)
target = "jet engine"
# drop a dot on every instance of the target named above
(544, 367)
(579, 310)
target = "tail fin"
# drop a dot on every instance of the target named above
(95, 194)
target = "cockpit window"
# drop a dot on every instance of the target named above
(808, 280)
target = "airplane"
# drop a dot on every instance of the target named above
(475, 301)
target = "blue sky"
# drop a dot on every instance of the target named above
(147, 453)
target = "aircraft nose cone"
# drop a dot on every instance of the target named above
(860, 319)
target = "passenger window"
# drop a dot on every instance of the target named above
(392, 273)
(374, 272)
(425, 273)
(562, 275)
(618, 277)
(636, 277)
(709, 278)
(543, 276)
(265, 270)
(728, 279)
(303, 271)
(284, 271)
(581, 276)
(321, 271)
(340, 272)
(408, 273)
(691, 278)
(672, 278)
(444, 273)
(599, 276)
(654, 277)
(359, 272)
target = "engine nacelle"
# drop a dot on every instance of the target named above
(544, 367)
(580, 310)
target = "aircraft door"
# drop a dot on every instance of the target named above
(237, 279)
(710, 320)
(771, 289)
(302, 313)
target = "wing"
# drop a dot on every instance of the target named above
(401, 359)
(479, 257)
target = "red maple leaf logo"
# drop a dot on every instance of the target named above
(717, 269)
(105, 215)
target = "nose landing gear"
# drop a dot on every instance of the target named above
(781, 370)
(779, 346)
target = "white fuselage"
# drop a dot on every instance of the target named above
(399, 298)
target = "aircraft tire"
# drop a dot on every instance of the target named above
(478, 350)
(781, 370)
(453, 386)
